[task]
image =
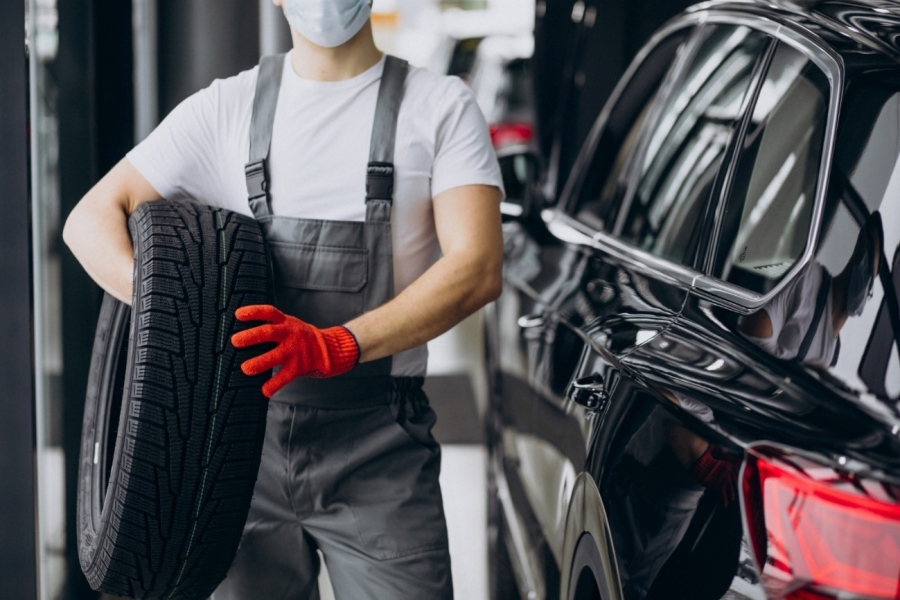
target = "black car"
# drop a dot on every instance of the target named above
(694, 363)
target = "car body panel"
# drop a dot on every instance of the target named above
(544, 433)
(587, 516)
(688, 362)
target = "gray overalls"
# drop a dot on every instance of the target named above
(349, 464)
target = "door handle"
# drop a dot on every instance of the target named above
(589, 392)
(531, 321)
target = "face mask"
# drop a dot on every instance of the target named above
(327, 23)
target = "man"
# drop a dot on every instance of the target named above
(356, 168)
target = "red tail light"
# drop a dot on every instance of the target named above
(507, 134)
(819, 536)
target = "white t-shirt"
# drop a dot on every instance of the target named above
(320, 149)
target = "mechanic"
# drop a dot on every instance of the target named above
(358, 169)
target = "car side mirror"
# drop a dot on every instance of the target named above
(519, 166)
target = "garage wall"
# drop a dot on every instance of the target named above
(18, 574)
(200, 41)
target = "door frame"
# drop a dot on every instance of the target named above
(18, 549)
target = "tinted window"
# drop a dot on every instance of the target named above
(462, 57)
(503, 89)
(841, 311)
(514, 102)
(767, 218)
(687, 143)
(865, 188)
(601, 189)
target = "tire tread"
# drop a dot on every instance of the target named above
(193, 424)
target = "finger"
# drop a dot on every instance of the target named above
(264, 362)
(259, 312)
(257, 335)
(278, 381)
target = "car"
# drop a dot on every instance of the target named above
(501, 81)
(693, 366)
(449, 40)
(455, 56)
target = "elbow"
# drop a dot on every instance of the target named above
(68, 233)
(73, 232)
(493, 287)
(490, 286)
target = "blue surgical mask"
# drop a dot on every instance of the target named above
(327, 23)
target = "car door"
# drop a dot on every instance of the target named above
(625, 270)
(534, 440)
(784, 349)
(763, 223)
(748, 359)
(643, 240)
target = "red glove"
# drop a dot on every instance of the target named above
(302, 350)
(717, 469)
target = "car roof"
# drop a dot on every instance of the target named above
(865, 33)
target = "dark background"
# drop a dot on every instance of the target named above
(17, 495)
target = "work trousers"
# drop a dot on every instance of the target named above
(359, 484)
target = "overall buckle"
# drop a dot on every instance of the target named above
(380, 181)
(257, 182)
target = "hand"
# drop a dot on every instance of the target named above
(717, 469)
(302, 350)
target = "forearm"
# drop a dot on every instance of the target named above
(96, 230)
(451, 290)
(98, 237)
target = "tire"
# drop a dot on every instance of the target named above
(173, 430)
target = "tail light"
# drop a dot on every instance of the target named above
(508, 134)
(818, 534)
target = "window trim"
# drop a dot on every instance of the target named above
(713, 224)
(832, 66)
(713, 200)
(705, 285)
(575, 182)
(568, 229)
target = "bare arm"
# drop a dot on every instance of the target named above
(97, 228)
(467, 277)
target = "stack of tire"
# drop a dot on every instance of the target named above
(173, 429)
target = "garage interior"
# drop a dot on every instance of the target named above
(99, 77)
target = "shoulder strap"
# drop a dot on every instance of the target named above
(380, 173)
(268, 85)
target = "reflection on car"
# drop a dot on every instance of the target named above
(803, 322)
(695, 363)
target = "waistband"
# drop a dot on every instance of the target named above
(347, 392)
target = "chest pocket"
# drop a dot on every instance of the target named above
(320, 268)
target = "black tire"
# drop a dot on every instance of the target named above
(173, 430)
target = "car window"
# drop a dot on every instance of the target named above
(464, 52)
(765, 224)
(685, 146)
(503, 89)
(599, 192)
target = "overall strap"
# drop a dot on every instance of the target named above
(380, 171)
(268, 85)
